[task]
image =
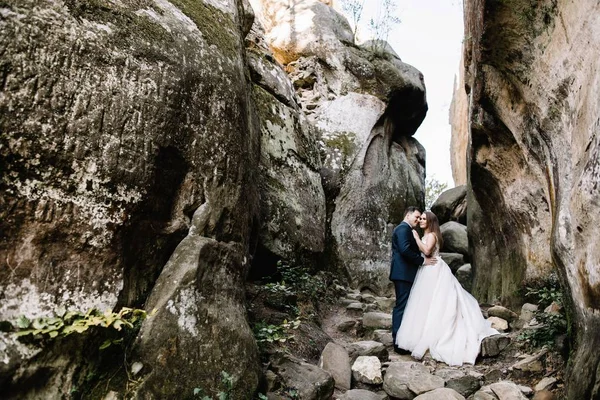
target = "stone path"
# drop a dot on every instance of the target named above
(364, 366)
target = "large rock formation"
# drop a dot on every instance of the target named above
(459, 122)
(126, 118)
(366, 106)
(535, 159)
(151, 155)
(292, 198)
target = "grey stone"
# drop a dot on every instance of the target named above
(504, 390)
(385, 304)
(451, 205)
(499, 324)
(455, 238)
(346, 326)
(491, 346)
(310, 381)
(531, 363)
(528, 312)
(368, 348)
(367, 369)
(361, 394)
(441, 394)
(377, 320)
(383, 336)
(405, 380)
(502, 312)
(465, 385)
(336, 361)
(464, 276)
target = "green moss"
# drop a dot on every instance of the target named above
(217, 27)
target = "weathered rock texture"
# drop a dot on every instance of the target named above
(366, 107)
(292, 198)
(459, 121)
(535, 158)
(119, 120)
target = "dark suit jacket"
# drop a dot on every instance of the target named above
(406, 257)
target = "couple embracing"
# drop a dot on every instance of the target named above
(432, 312)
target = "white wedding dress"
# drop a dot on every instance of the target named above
(442, 317)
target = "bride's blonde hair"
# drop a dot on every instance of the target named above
(434, 227)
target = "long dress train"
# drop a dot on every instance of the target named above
(442, 317)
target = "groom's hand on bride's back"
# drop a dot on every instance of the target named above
(430, 261)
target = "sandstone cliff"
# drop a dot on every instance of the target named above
(154, 152)
(120, 121)
(532, 72)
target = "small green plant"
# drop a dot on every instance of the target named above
(265, 333)
(551, 324)
(66, 323)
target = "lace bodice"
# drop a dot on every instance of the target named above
(430, 236)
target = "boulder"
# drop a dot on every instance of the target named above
(451, 205)
(368, 348)
(504, 390)
(346, 326)
(531, 363)
(464, 275)
(502, 312)
(384, 336)
(546, 383)
(491, 346)
(533, 222)
(441, 394)
(310, 381)
(367, 369)
(386, 304)
(455, 238)
(528, 312)
(129, 119)
(405, 380)
(361, 394)
(465, 385)
(498, 323)
(454, 260)
(377, 320)
(336, 361)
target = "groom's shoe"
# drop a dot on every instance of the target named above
(400, 351)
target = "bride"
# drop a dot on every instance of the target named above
(440, 315)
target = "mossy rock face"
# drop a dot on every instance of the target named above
(534, 161)
(124, 118)
(199, 330)
(292, 198)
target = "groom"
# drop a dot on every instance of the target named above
(406, 260)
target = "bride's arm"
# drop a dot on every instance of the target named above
(427, 247)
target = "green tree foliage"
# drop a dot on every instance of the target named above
(433, 189)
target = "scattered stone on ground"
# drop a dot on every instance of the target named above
(361, 363)
(336, 361)
(498, 323)
(502, 312)
(367, 369)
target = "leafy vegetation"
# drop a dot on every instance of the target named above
(268, 333)
(66, 323)
(433, 189)
(550, 324)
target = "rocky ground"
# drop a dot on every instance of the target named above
(359, 362)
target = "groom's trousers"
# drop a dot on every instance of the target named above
(402, 289)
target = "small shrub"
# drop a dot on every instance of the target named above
(66, 323)
(551, 325)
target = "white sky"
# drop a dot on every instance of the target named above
(429, 37)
